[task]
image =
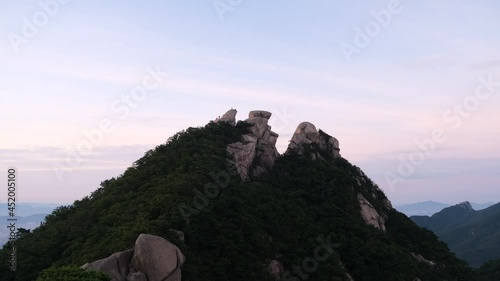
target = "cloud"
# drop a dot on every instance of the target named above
(100, 158)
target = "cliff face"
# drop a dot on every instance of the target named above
(257, 152)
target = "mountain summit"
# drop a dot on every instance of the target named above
(238, 210)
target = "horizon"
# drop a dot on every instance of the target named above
(88, 87)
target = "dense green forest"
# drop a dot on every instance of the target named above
(233, 229)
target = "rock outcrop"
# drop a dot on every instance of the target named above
(229, 117)
(256, 153)
(152, 259)
(319, 144)
(369, 214)
(421, 259)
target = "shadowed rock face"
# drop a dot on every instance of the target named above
(369, 214)
(306, 135)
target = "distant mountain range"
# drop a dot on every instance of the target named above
(29, 216)
(473, 235)
(29, 222)
(428, 208)
(28, 209)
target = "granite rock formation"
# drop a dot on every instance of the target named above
(153, 259)
(256, 153)
(307, 139)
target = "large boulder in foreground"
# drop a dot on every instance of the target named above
(152, 259)
(116, 265)
(157, 258)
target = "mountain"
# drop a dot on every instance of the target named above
(428, 208)
(238, 210)
(29, 222)
(27, 209)
(473, 235)
(481, 206)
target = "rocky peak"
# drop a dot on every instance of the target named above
(466, 205)
(256, 152)
(307, 136)
(229, 117)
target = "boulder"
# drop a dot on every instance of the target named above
(152, 259)
(306, 134)
(157, 258)
(229, 117)
(116, 265)
(259, 113)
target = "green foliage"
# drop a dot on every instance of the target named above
(233, 229)
(71, 273)
(490, 271)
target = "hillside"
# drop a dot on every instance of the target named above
(246, 212)
(473, 235)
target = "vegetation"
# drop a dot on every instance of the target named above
(71, 273)
(490, 271)
(233, 229)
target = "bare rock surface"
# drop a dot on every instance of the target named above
(156, 257)
(152, 259)
(229, 117)
(369, 214)
(307, 135)
(115, 266)
(256, 153)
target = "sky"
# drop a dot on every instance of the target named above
(411, 89)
